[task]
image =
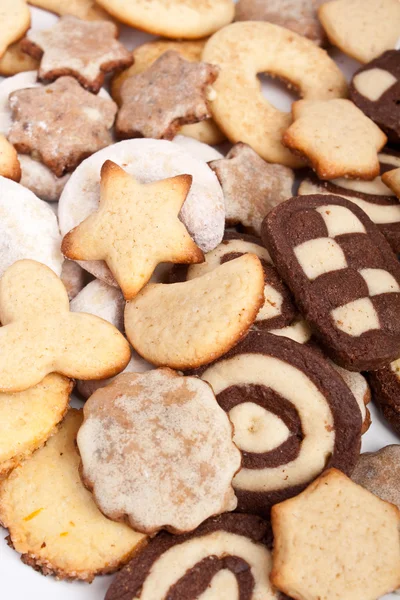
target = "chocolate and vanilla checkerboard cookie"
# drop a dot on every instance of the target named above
(343, 275)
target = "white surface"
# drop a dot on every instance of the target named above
(19, 581)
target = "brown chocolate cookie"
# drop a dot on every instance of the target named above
(375, 89)
(226, 553)
(343, 275)
(374, 197)
(386, 387)
(278, 309)
(293, 417)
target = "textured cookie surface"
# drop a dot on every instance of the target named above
(57, 527)
(336, 139)
(15, 20)
(293, 416)
(27, 419)
(157, 450)
(28, 228)
(83, 9)
(373, 197)
(135, 228)
(375, 89)
(244, 49)
(46, 337)
(251, 186)
(362, 29)
(61, 123)
(172, 92)
(186, 325)
(311, 531)
(148, 161)
(343, 275)
(298, 15)
(226, 557)
(83, 49)
(379, 473)
(190, 19)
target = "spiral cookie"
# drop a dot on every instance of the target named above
(226, 557)
(278, 310)
(293, 416)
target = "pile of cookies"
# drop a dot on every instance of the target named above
(225, 314)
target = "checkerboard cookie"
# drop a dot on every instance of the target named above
(343, 275)
(374, 197)
(57, 528)
(293, 416)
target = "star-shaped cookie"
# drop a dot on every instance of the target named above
(251, 186)
(85, 50)
(135, 228)
(61, 123)
(336, 138)
(171, 93)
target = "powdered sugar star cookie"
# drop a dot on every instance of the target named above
(379, 473)
(135, 228)
(157, 451)
(46, 337)
(336, 138)
(170, 93)
(61, 122)
(86, 50)
(251, 186)
(15, 19)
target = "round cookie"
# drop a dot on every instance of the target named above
(278, 310)
(148, 160)
(385, 384)
(375, 89)
(293, 417)
(29, 418)
(56, 526)
(187, 19)
(379, 473)
(226, 557)
(197, 149)
(73, 277)
(242, 50)
(157, 452)
(28, 228)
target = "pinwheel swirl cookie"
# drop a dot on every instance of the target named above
(226, 557)
(293, 416)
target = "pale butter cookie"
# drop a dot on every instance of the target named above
(15, 19)
(244, 49)
(29, 418)
(15, 61)
(57, 527)
(157, 451)
(324, 550)
(9, 163)
(186, 325)
(392, 180)
(187, 19)
(83, 9)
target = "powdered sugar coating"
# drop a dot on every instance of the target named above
(197, 149)
(104, 301)
(148, 160)
(157, 448)
(9, 85)
(28, 228)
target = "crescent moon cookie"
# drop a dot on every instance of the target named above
(375, 89)
(244, 49)
(56, 527)
(107, 302)
(379, 473)
(29, 418)
(46, 337)
(314, 529)
(144, 56)
(226, 557)
(343, 275)
(135, 228)
(374, 197)
(278, 310)
(28, 228)
(180, 19)
(186, 325)
(157, 452)
(203, 212)
(293, 417)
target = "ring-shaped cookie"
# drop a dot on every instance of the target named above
(244, 49)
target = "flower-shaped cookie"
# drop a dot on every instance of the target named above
(136, 228)
(45, 337)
